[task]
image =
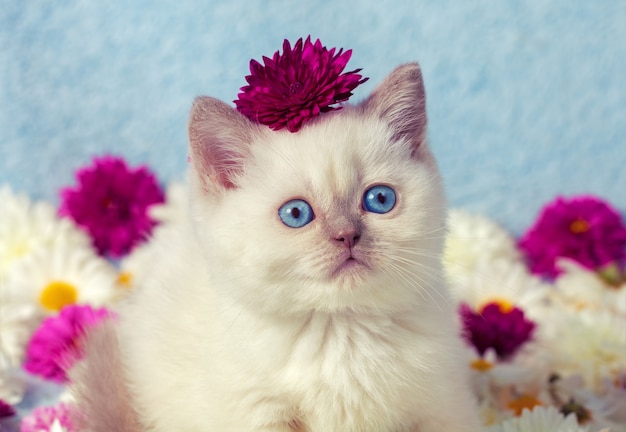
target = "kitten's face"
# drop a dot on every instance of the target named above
(343, 214)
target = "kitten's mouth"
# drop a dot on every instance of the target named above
(350, 265)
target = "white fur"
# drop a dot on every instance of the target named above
(243, 327)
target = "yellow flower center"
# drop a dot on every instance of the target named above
(523, 402)
(58, 294)
(125, 279)
(579, 226)
(481, 365)
(505, 306)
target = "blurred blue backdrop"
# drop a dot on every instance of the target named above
(526, 99)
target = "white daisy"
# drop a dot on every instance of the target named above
(589, 343)
(27, 227)
(593, 410)
(18, 320)
(579, 288)
(61, 275)
(472, 239)
(540, 419)
(488, 370)
(504, 388)
(505, 282)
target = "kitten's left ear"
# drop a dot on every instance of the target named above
(400, 101)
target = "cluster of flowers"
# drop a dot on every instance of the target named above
(543, 316)
(61, 272)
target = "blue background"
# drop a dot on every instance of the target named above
(526, 99)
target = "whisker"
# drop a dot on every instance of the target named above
(417, 279)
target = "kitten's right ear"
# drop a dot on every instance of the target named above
(219, 144)
(400, 101)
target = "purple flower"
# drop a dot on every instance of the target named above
(42, 418)
(584, 229)
(6, 410)
(289, 89)
(58, 342)
(503, 328)
(111, 203)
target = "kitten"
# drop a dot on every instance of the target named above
(305, 294)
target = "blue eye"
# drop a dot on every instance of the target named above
(296, 213)
(379, 199)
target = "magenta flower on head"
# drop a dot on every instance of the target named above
(502, 328)
(289, 89)
(584, 229)
(6, 409)
(110, 202)
(43, 418)
(58, 342)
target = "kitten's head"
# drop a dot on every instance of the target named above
(347, 213)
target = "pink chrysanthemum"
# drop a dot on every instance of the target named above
(585, 229)
(57, 344)
(289, 89)
(42, 418)
(502, 328)
(6, 409)
(111, 203)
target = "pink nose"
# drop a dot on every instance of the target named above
(349, 238)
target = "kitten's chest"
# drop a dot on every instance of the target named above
(344, 370)
(329, 372)
(317, 350)
(337, 345)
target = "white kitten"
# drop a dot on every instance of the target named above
(306, 293)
